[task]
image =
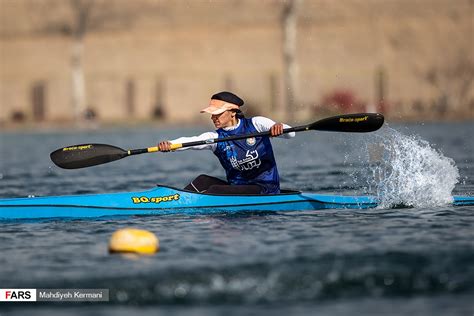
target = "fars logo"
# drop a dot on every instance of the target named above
(17, 295)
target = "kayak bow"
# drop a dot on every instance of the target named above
(168, 200)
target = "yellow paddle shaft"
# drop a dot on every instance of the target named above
(155, 149)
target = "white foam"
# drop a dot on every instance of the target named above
(407, 170)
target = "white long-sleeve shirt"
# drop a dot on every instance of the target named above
(262, 124)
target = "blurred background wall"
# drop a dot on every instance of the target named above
(141, 60)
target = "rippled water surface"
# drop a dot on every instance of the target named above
(389, 260)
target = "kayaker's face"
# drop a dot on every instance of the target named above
(225, 119)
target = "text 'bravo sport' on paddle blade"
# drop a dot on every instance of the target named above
(350, 123)
(86, 155)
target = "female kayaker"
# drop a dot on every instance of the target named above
(249, 163)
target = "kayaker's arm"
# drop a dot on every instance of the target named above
(202, 137)
(263, 124)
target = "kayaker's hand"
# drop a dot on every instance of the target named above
(164, 146)
(276, 130)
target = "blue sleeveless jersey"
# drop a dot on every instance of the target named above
(248, 161)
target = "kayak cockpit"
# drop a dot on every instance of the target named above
(282, 192)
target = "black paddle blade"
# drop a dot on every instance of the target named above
(351, 123)
(86, 155)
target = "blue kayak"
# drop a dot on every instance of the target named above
(168, 200)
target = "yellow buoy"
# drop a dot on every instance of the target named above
(135, 241)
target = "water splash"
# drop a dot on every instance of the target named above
(407, 170)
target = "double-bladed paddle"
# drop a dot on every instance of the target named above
(87, 155)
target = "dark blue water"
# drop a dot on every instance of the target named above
(393, 261)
